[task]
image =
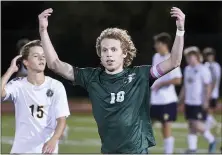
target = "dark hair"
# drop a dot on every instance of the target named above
(20, 43)
(164, 38)
(209, 51)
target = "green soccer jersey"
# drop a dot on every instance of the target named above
(120, 105)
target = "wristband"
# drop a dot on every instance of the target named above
(180, 33)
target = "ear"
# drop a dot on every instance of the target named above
(25, 62)
(125, 55)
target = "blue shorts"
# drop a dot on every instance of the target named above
(164, 113)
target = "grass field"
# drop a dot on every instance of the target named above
(83, 136)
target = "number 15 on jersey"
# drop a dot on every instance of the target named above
(39, 110)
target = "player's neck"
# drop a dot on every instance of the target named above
(36, 78)
(195, 64)
(114, 72)
(163, 53)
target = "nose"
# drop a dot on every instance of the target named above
(41, 57)
(109, 53)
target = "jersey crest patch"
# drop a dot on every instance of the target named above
(49, 93)
(130, 78)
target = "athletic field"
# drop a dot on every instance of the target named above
(83, 136)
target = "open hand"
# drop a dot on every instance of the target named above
(13, 65)
(180, 17)
(49, 146)
(43, 19)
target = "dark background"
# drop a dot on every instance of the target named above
(74, 27)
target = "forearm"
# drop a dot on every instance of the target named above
(61, 124)
(182, 95)
(175, 57)
(207, 93)
(4, 80)
(177, 51)
(50, 53)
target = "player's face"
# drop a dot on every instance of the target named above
(192, 59)
(210, 58)
(160, 47)
(36, 59)
(112, 56)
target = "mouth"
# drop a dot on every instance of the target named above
(41, 64)
(109, 62)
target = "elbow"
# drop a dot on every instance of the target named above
(175, 63)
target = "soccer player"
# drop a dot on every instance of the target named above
(119, 93)
(41, 105)
(196, 94)
(215, 69)
(163, 95)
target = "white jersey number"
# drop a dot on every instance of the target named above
(119, 97)
(39, 110)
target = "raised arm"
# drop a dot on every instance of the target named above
(52, 59)
(176, 53)
(12, 69)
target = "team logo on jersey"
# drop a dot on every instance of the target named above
(130, 77)
(49, 93)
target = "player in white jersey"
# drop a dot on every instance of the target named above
(196, 94)
(41, 105)
(215, 68)
(163, 95)
(22, 72)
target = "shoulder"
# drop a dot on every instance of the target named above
(217, 65)
(141, 67)
(17, 81)
(54, 83)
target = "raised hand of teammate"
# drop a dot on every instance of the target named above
(43, 19)
(180, 17)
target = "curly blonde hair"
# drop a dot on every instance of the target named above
(125, 40)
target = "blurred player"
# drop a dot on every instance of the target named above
(41, 105)
(22, 72)
(119, 93)
(196, 94)
(163, 95)
(209, 55)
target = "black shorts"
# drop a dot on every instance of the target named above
(213, 103)
(193, 112)
(164, 113)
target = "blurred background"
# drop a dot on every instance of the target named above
(74, 27)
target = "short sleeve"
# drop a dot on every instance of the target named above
(11, 89)
(206, 75)
(61, 102)
(145, 71)
(82, 76)
(176, 73)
